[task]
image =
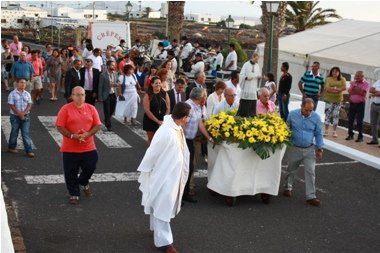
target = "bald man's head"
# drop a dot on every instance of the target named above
(78, 95)
(230, 95)
(264, 95)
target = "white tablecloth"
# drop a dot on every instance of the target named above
(233, 171)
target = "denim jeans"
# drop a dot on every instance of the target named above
(283, 105)
(24, 125)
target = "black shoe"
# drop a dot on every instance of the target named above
(189, 199)
(349, 138)
(359, 140)
(372, 143)
(109, 129)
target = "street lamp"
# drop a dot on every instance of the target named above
(128, 6)
(229, 24)
(272, 8)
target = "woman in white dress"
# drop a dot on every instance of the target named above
(215, 98)
(249, 76)
(127, 90)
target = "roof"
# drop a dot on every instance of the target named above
(346, 40)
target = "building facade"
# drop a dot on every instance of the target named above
(15, 16)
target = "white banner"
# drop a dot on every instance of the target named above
(110, 33)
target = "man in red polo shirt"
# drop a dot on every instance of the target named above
(78, 121)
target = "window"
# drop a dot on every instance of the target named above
(96, 16)
(202, 19)
(19, 21)
(87, 16)
(3, 21)
(209, 19)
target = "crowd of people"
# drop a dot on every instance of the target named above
(119, 78)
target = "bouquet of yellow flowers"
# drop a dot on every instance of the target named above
(263, 133)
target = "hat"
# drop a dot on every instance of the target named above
(212, 51)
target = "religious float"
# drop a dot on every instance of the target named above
(246, 156)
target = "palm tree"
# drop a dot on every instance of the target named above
(305, 15)
(175, 17)
(278, 27)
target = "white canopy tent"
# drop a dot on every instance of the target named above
(349, 44)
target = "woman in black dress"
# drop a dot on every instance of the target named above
(156, 105)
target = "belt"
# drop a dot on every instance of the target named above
(303, 147)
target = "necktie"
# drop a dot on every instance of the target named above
(178, 99)
(89, 76)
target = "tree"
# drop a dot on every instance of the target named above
(175, 18)
(304, 15)
(278, 27)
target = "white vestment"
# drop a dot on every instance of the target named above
(164, 171)
(250, 87)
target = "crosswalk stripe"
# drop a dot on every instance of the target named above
(136, 129)
(7, 127)
(49, 123)
(96, 177)
(110, 139)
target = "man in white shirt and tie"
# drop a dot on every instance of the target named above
(90, 81)
(177, 94)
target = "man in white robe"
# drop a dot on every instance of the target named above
(164, 173)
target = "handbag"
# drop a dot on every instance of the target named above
(120, 108)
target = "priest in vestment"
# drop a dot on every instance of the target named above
(164, 173)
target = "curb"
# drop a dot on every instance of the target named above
(355, 154)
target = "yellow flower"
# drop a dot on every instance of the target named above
(251, 140)
(227, 134)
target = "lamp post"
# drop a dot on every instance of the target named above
(38, 28)
(128, 7)
(272, 8)
(229, 24)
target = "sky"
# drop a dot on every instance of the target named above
(359, 10)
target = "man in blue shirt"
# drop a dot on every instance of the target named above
(306, 126)
(22, 69)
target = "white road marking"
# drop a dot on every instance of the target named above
(133, 176)
(7, 127)
(110, 139)
(136, 129)
(49, 123)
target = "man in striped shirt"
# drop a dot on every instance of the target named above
(311, 84)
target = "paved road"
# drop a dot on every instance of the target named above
(113, 220)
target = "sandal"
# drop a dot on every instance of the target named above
(335, 135)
